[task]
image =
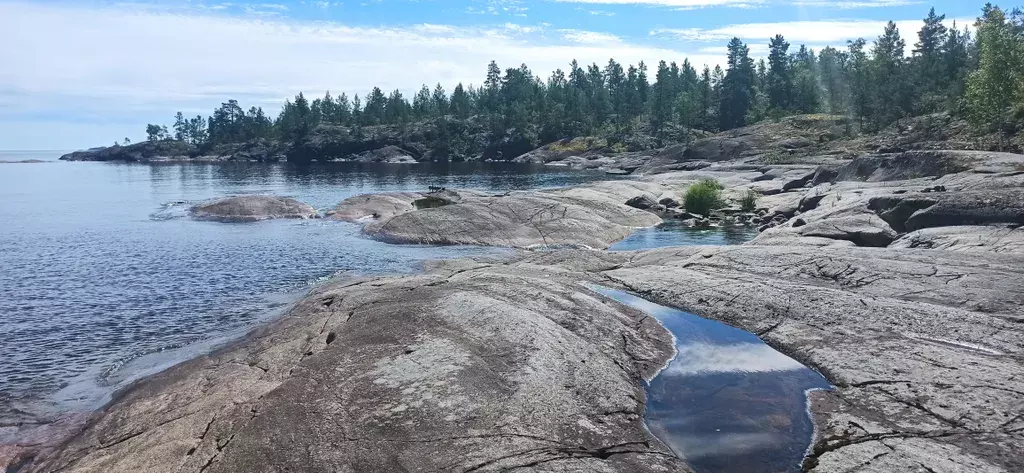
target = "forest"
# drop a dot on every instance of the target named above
(977, 75)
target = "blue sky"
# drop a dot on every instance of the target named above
(84, 73)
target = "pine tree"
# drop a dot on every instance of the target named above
(421, 103)
(859, 74)
(779, 76)
(180, 127)
(892, 100)
(931, 78)
(662, 101)
(460, 105)
(737, 87)
(439, 101)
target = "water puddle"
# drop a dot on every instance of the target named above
(674, 233)
(727, 402)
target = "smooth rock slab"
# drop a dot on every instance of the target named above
(470, 367)
(252, 208)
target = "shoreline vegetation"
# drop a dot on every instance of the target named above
(617, 108)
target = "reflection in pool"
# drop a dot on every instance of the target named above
(727, 402)
(674, 233)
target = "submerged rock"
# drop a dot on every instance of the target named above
(252, 208)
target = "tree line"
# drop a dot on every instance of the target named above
(978, 76)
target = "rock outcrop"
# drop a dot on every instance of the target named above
(252, 208)
(469, 367)
(143, 152)
(594, 216)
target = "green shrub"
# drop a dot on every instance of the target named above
(703, 197)
(748, 202)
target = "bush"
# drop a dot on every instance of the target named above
(749, 200)
(703, 197)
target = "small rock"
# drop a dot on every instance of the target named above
(642, 202)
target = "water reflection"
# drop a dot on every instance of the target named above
(674, 233)
(727, 402)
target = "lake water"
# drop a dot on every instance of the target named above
(104, 279)
(727, 402)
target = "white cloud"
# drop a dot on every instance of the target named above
(850, 4)
(678, 4)
(521, 29)
(601, 13)
(589, 37)
(797, 32)
(123, 66)
(694, 4)
(701, 358)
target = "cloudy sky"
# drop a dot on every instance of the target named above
(83, 73)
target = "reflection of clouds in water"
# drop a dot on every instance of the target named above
(698, 358)
(715, 445)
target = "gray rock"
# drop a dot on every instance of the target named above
(862, 230)
(252, 208)
(909, 212)
(467, 367)
(388, 154)
(923, 346)
(999, 239)
(642, 202)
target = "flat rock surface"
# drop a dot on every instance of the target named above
(595, 216)
(470, 367)
(251, 208)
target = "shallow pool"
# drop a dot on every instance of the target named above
(727, 402)
(674, 233)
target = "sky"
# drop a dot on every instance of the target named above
(84, 73)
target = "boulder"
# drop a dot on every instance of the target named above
(669, 202)
(909, 212)
(642, 202)
(389, 154)
(252, 208)
(862, 230)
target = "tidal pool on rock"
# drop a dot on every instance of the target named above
(727, 402)
(674, 233)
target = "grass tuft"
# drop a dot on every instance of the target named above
(748, 202)
(703, 197)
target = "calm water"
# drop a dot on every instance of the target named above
(103, 279)
(727, 402)
(674, 233)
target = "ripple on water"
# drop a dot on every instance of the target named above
(727, 402)
(104, 280)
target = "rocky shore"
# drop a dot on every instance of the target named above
(899, 276)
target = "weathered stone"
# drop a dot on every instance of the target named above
(862, 230)
(252, 208)
(470, 367)
(642, 202)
